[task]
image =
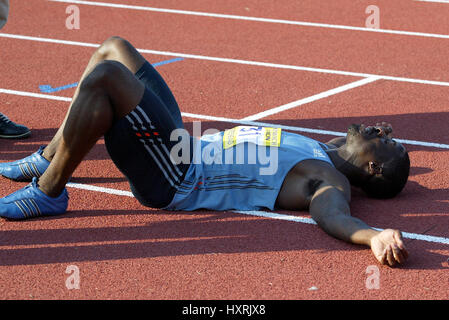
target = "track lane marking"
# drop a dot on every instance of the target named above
(237, 121)
(35, 95)
(236, 61)
(436, 1)
(313, 98)
(255, 19)
(263, 214)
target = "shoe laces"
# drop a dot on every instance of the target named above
(34, 183)
(4, 118)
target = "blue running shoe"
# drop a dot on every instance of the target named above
(27, 168)
(31, 202)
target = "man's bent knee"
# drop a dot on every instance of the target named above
(114, 80)
(103, 74)
(112, 47)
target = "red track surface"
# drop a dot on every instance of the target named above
(126, 251)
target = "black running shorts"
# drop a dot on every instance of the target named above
(139, 144)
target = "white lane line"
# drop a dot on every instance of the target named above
(437, 1)
(100, 189)
(255, 19)
(305, 130)
(237, 61)
(264, 214)
(315, 97)
(34, 95)
(237, 121)
(49, 40)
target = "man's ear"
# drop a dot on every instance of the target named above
(374, 168)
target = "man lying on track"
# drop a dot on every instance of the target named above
(123, 98)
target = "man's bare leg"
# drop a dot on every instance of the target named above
(115, 49)
(110, 91)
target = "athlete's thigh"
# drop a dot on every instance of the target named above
(157, 85)
(120, 50)
(140, 146)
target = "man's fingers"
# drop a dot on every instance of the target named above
(397, 236)
(383, 258)
(404, 253)
(390, 257)
(394, 251)
(398, 239)
(397, 253)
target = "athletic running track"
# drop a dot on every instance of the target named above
(311, 67)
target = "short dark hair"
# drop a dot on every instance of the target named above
(392, 180)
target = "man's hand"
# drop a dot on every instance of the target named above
(388, 247)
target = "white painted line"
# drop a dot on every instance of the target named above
(264, 214)
(49, 40)
(100, 189)
(255, 19)
(237, 121)
(437, 1)
(315, 97)
(423, 237)
(34, 95)
(237, 61)
(306, 130)
(257, 123)
(278, 216)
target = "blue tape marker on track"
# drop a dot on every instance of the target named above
(49, 89)
(157, 64)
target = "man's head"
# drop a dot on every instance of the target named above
(382, 163)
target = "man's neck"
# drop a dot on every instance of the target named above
(336, 142)
(343, 162)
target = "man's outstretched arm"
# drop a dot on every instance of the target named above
(329, 207)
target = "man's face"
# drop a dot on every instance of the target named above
(372, 144)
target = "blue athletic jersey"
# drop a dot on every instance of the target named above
(242, 175)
